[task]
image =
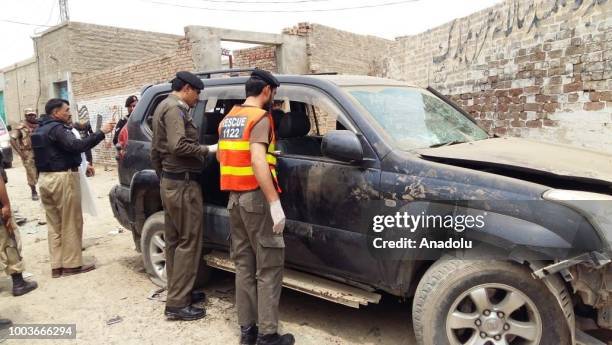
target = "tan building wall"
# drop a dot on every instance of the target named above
(104, 92)
(67, 51)
(333, 50)
(343, 52)
(20, 89)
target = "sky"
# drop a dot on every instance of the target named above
(383, 18)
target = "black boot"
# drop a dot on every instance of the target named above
(275, 339)
(248, 335)
(21, 286)
(188, 313)
(34, 193)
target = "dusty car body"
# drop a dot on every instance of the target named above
(347, 150)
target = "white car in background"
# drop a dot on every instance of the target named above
(5, 145)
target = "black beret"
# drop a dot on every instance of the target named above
(190, 79)
(265, 76)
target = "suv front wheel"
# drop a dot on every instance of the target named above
(461, 302)
(153, 246)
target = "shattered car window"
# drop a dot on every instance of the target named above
(415, 118)
(323, 113)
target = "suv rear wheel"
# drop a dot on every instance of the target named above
(460, 302)
(153, 246)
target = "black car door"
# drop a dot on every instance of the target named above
(325, 200)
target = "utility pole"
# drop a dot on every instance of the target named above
(64, 15)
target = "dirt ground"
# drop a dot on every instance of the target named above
(120, 287)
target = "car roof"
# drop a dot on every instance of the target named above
(340, 80)
(359, 80)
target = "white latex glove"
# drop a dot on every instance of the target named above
(278, 217)
(213, 148)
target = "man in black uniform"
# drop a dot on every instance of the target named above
(57, 153)
(130, 104)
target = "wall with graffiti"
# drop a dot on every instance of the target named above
(111, 107)
(537, 69)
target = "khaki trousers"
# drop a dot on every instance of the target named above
(60, 193)
(10, 251)
(259, 256)
(184, 214)
(30, 167)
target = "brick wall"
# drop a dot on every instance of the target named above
(104, 92)
(97, 47)
(68, 51)
(135, 75)
(535, 69)
(333, 50)
(263, 57)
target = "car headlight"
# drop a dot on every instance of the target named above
(569, 195)
(595, 207)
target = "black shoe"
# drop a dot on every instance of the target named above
(5, 324)
(24, 288)
(197, 296)
(248, 335)
(187, 313)
(275, 339)
(35, 196)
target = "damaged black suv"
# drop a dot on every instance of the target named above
(353, 146)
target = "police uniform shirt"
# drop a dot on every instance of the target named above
(63, 136)
(175, 146)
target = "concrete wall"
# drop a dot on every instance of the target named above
(291, 50)
(20, 89)
(535, 69)
(53, 51)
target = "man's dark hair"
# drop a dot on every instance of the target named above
(53, 104)
(254, 87)
(130, 100)
(178, 84)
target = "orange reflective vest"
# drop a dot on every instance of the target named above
(234, 149)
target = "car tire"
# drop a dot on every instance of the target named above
(461, 302)
(153, 245)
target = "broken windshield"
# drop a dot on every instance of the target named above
(415, 118)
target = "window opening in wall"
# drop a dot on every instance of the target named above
(61, 89)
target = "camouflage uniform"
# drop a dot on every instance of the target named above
(22, 143)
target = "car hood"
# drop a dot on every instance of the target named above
(529, 156)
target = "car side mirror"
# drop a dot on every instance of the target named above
(342, 145)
